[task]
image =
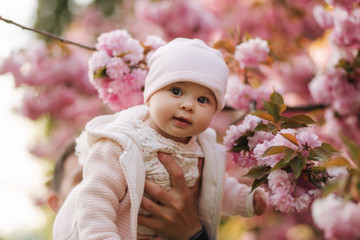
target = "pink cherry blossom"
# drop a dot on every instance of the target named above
(280, 179)
(119, 43)
(245, 160)
(323, 86)
(242, 96)
(119, 55)
(282, 201)
(323, 17)
(337, 217)
(336, 125)
(346, 32)
(139, 77)
(302, 202)
(279, 183)
(307, 140)
(285, 195)
(154, 42)
(194, 19)
(117, 68)
(232, 134)
(346, 4)
(277, 140)
(252, 52)
(98, 60)
(235, 132)
(333, 88)
(258, 138)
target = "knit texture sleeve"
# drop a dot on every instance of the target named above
(236, 199)
(103, 187)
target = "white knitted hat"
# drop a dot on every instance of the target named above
(188, 60)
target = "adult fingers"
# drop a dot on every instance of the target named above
(156, 192)
(148, 221)
(176, 174)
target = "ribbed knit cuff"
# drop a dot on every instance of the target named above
(250, 205)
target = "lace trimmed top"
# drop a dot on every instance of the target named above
(186, 155)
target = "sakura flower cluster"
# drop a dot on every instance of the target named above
(337, 217)
(286, 194)
(281, 153)
(241, 96)
(57, 91)
(55, 81)
(194, 19)
(344, 20)
(332, 87)
(118, 68)
(251, 53)
(337, 84)
(241, 93)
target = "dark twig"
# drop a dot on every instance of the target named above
(306, 108)
(48, 34)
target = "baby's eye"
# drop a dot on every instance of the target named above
(175, 91)
(203, 100)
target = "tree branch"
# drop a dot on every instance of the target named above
(47, 34)
(306, 108)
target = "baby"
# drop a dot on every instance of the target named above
(184, 89)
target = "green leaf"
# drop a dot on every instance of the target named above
(227, 44)
(354, 149)
(282, 108)
(272, 109)
(291, 138)
(258, 171)
(356, 61)
(100, 73)
(346, 65)
(282, 163)
(239, 148)
(330, 188)
(258, 182)
(293, 124)
(328, 148)
(261, 127)
(302, 118)
(289, 154)
(337, 161)
(241, 144)
(276, 98)
(263, 115)
(271, 127)
(319, 154)
(274, 150)
(297, 165)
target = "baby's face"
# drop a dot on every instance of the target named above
(181, 110)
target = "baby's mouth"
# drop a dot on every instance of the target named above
(182, 120)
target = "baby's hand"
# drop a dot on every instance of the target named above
(259, 203)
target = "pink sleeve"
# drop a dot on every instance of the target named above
(103, 187)
(237, 200)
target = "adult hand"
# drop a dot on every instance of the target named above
(259, 203)
(176, 214)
